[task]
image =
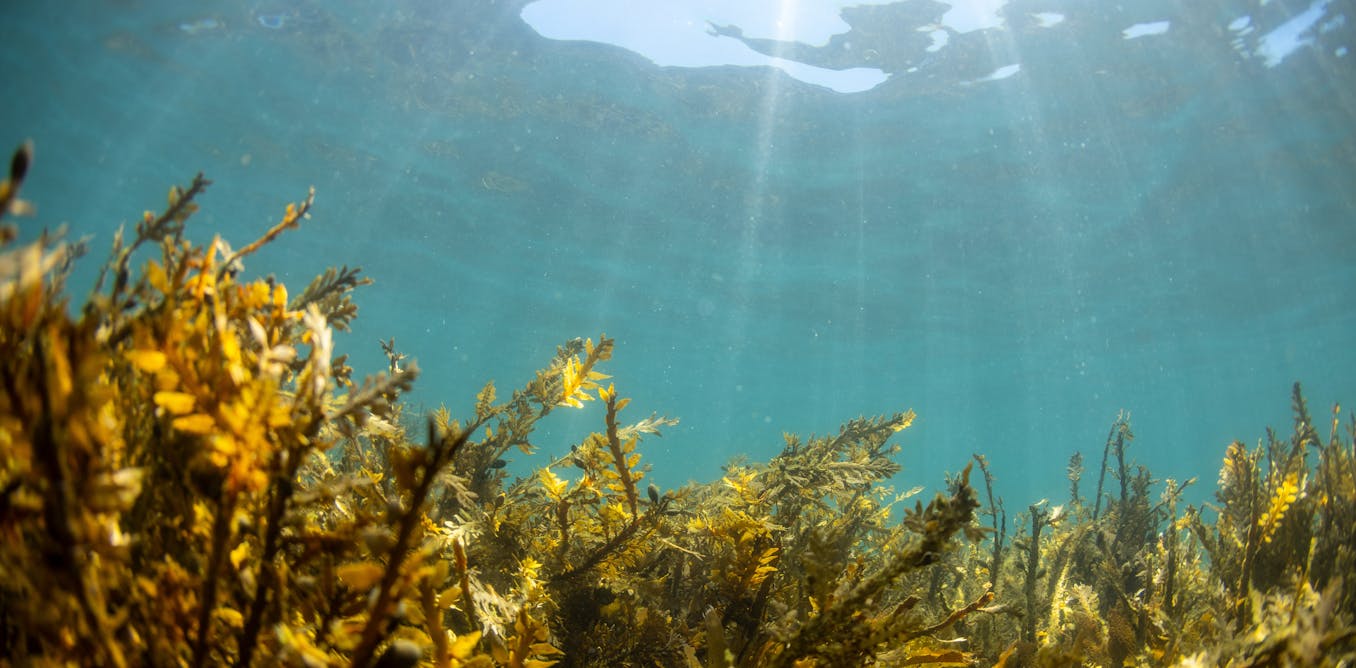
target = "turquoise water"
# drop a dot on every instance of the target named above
(1162, 225)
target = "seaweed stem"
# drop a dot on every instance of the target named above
(464, 576)
(279, 499)
(289, 220)
(998, 519)
(221, 533)
(58, 509)
(441, 448)
(984, 599)
(618, 456)
(170, 222)
(1033, 556)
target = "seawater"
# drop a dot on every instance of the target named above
(1151, 212)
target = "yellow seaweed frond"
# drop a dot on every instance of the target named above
(149, 361)
(1286, 493)
(903, 421)
(554, 484)
(360, 576)
(176, 403)
(201, 424)
(578, 377)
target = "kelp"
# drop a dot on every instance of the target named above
(191, 474)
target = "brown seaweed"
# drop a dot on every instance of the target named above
(190, 475)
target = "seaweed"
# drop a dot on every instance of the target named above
(1152, 581)
(191, 475)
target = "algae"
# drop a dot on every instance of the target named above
(191, 475)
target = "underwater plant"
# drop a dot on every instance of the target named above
(1138, 580)
(190, 474)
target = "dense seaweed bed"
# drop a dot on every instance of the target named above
(190, 475)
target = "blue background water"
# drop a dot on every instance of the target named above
(1160, 225)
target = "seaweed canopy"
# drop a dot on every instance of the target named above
(190, 475)
(1133, 577)
(152, 445)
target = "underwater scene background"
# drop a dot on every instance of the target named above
(1160, 225)
(1028, 222)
